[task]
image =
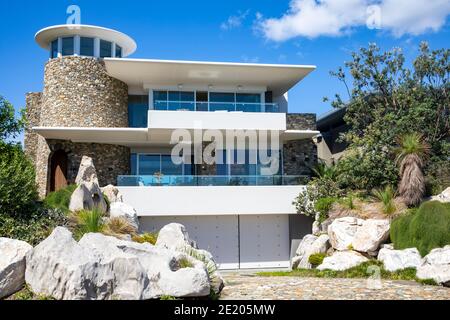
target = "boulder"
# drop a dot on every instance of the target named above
(444, 196)
(164, 272)
(12, 265)
(394, 260)
(309, 245)
(112, 193)
(342, 260)
(87, 196)
(436, 266)
(175, 237)
(86, 172)
(370, 235)
(123, 210)
(130, 277)
(60, 268)
(342, 231)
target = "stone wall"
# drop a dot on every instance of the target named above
(299, 157)
(33, 115)
(78, 92)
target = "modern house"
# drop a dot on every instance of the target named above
(123, 113)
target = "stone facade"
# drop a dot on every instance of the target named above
(299, 157)
(78, 92)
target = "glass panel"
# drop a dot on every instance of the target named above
(149, 164)
(248, 102)
(87, 47)
(67, 46)
(221, 97)
(170, 168)
(222, 168)
(263, 168)
(118, 51)
(237, 168)
(105, 49)
(133, 164)
(138, 111)
(160, 100)
(54, 52)
(248, 97)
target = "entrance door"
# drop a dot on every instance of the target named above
(58, 167)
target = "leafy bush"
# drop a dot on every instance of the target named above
(386, 197)
(87, 221)
(323, 206)
(18, 190)
(35, 227)
(425, 228)
(316, 259)
(118, 226)
(149, 237)
(60, 199)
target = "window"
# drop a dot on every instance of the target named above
(105, 49)
(54, 49)
(221, 101)
(174, 100)
(152, 164)
(118, 51)
(138, 111)
(67, 46)
(87, 47)
(248, 102)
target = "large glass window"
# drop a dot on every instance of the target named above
(118, 51)
(87, 47)
(105, 49)
(67, 46)
(248, 102)
(174, 100)
(138, 111)
(54, 49)
(221, 101)
(153, 164)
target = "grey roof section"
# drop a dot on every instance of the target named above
(331, 117)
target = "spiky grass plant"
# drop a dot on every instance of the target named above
(87, 221)
(386, 196)
(411, 155)
(147, 237)
(118, 226)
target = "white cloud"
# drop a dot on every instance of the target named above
(248, 59)
(234, 21)
(314, 18)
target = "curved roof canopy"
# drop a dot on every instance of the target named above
(45, 36)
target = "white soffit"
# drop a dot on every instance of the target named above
(277, 78)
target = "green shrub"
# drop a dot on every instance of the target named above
(316, 259)
(18, 190)
(348, 202)
(150, 237)
(60, 199)
(425, 228)
(386, 197)
(184, 263)
(87, 221)
(323, 206)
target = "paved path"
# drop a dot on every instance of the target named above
(250, 287)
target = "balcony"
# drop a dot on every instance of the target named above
(163, 105)
(204, 181)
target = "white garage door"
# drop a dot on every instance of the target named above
(235, 241)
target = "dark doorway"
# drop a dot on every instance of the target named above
(58, 167)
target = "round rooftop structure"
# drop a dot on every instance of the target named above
(85, 40)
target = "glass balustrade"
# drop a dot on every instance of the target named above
(215, 106)
(172, 180)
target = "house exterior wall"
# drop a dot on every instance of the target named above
(78, 92)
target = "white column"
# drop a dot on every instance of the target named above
(97, 47)
(263, 102)
(59, 47)
(150, 99)
(113, 53)
(77, 44)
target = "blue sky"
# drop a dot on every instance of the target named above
(322, 33)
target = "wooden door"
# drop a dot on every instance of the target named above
(58, 179)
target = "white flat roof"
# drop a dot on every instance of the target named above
(46, 35)
(277, 78)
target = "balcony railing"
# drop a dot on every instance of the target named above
(215, 106)
(169, 180)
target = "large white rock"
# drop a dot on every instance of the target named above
(342, 231)
(436, 266)
(444, 196)
(123, 210)
(87, 196)
(175, 237)
(59, 267)
(309, 245)
(86, 172)
(394, 260)
(112, 193)
(130, 278)
(164, 272)
(370, 235)
(342, 260)
(12, 265)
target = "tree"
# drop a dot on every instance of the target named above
(388, 100)
(10, 127)
(411, 154)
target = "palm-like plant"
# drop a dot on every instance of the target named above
(386, 197)
(411, 155)
(322, 170)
